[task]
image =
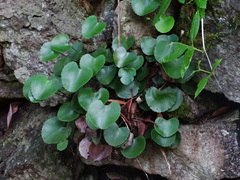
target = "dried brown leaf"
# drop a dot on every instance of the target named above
(83, 147)
(99, 151)
(81, 124)
(13, 107)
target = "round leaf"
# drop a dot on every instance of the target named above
(46, 53)
(137, 63)
(177, 141)
(143, 7)
(91, 27)
(76, 52)
(160, 101)
(66, 113)
(148, 44)
(73, 78)
(86, 96)
(137, 147)
(59, 66)
(53, 131)
(76, 106)
(165, 24)
(106, 74)
(103, 116)
(166, 128)
(42, 88)
(87, 61)
(126, 91)
(126, 43)
(62, 145)
(162, 141)
(116, 136)
(126, 75)
(179, 101)
(122, 58)
(60, 43)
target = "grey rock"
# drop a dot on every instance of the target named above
(222, 36)
(207, 151)
(10, 90)
(24, 155)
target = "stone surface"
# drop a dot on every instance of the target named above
(222, 36)
(23, 154)
(10, 90)
(207, 151)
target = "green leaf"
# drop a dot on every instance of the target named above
(201, 3)
(216, 63)
(194, 26)
(179, 101)
(165, 52)
(76, 51)
(122, 58)
(201, 85)
(116, 136)
(90, 27)
(66, 113)
(54, 132)
(143, 7)
(168, 38)
(46, 53)
(27, 89)
(86, 96)
(137, 147)
(103, 116)
(162, 141)
(148, 44)
(60, 43)
(126, 43)
(102, 51)
(59, 65)
(106, 74)
(166, 128)
(160, 101)
(177, 141)
(62, 145)
(163, 7)
(126, 75)
(87, 61)
(126, 91)
(76, 106)
(42, 88)
(137, 63)
(164, 24)
(142, 73)
(181, 1)
(73, 78)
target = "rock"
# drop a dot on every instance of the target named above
(222, 36)
(207, 151)
(10, 90)
(23, 154)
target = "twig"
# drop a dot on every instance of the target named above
(119, 11)
(205, 51)
(168, 164)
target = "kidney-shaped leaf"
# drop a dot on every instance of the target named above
(73, 78)
(90, 27)
(87, 61)
(162, 141)
(62, 145)
(106, 74)
(126, 75)
(60, 43)
(160, 101)
(46, 53)
(116, 136)
(148, 44)
(179, 100)
(103, 116)
(166, 128)
(143, 7)
(137, 147)
(86, 96)
(165, 24)
(42, 88)
(121, 57)
(126, 43)
(54, 132)
(66, 113)
(127, 91)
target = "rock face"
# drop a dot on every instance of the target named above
(208, 151)
(23, 154)
(222, 36)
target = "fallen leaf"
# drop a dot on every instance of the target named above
(99, 151)
(141, 127)
(83, 147)
(129, 142)
(81, 124)
(13, 107)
